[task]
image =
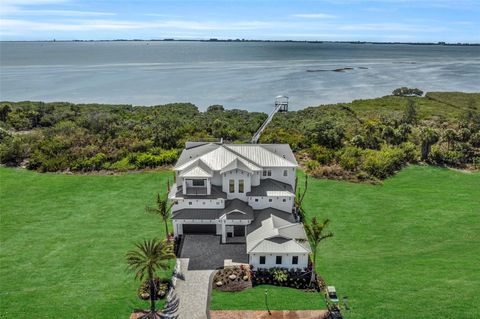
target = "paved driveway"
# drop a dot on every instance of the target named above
(207, 252)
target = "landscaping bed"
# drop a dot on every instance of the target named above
(233, 279)
(161, 287)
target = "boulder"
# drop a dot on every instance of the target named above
(232, 277)
(245, 278)
(219, 283)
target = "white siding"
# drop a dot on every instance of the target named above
(270, 260)
(236, 175)
(199, 204)
(277, 202)
(277, 174)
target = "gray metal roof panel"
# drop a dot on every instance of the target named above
(269, 185)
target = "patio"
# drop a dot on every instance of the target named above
(207, 252)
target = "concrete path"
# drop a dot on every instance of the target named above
(263, 314)
(190, 296)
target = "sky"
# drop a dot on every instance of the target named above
(327, 20)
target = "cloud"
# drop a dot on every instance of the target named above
(314, 16)
(18, 26)
(66, 13)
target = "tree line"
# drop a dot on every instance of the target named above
(362, 140)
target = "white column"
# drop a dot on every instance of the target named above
(209, 186)
(184, 186)
(224, 232)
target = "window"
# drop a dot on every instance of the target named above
(262, 260)
(270, 200)
(231, 186)
(278, 260)
(256, 199)
(284, 200)
(241, 184)
(294, 260)
(285, 172)
(264, 173)
(189, 203)
(269, 173)
(198, 182)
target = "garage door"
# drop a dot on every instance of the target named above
(199, 229)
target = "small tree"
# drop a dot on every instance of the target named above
(410, 114)
(145, 261)
(449, 136)
(162, 209)
(315, 234)
(299, 196)
(429, 137)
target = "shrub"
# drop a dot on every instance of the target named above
(351, 158)
(92, 163)
(294, 277)
(322, 154)
(383, 163)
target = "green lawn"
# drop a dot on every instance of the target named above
(64, 239)
(279, 298)
(407, 248)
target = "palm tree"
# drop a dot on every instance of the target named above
(315, 235)
(299, 196)
(150, 257)
(162, 209)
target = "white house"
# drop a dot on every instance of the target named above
(242, 193)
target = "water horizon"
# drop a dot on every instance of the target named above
(244, 75)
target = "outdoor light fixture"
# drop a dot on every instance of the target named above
(266, 302)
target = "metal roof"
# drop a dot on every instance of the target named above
(271, 187)
(262, 156)
(234, 209)
(253, 156)
(237, 164)
(274, 234)
(195, 171)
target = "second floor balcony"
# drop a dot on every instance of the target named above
(199, 192)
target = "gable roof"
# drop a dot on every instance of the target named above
(197, 169)
(250, 156)
(237, 164)
(277, 235)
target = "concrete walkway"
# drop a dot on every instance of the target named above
(190, 296)
(263, 314)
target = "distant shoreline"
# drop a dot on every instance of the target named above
(254, 40)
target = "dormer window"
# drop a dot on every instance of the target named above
(285, 172)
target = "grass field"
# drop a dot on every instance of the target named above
(64, 239)
(279, 298)
(407, 248)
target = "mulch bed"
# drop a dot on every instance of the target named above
(263, 314)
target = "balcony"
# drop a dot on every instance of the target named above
(196, 191)
(199, 192)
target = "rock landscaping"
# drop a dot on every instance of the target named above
(161, 289)
(232, 279)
